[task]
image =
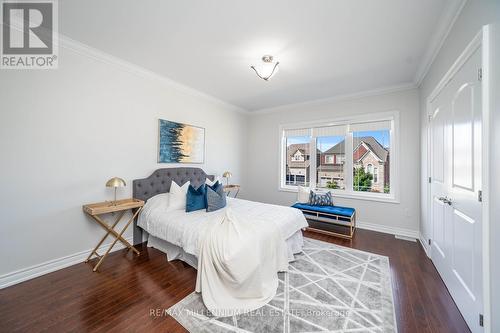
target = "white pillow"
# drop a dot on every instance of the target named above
(159, 201)
(178, 195)
(303, 194)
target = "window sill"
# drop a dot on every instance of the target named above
(365, 197)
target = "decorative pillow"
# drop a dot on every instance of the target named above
(178, 196)
(195, 198)
(215, 199)
(215, 186)
(320, 199)
(158, 202)
(303, 194)
(211, 182)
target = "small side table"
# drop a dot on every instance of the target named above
(231, 188)
(120, 206)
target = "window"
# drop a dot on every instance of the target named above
(297, 162)
(371, 147)
(367, 171)
(330, 145)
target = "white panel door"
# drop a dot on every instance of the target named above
(455, 184)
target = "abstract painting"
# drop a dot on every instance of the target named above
(180, 143)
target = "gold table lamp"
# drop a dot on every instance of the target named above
(227, 175)
(115, 182)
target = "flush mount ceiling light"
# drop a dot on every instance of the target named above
(267, 68)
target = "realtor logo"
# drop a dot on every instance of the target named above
(28, 35)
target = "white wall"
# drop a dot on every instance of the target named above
(263, 155)
(64, 132)
(474, 15)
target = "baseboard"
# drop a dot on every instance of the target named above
(423, 242)
(402, 233)
(28, 273)
(410, 239)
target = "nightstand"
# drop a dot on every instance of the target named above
(232, 188)
(120, 207)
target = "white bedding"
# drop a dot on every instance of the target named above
(238, 264)
(185, 229)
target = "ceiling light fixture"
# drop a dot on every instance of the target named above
(267, 69)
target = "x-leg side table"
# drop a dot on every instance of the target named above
(120, 207)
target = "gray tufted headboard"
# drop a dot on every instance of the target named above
(159, 182)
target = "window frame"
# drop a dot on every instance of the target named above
(348, 192)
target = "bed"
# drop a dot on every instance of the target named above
(177, 233)
(237, 250)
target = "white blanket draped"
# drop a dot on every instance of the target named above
(238, 264)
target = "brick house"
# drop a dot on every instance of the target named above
(298, 164)
(368, 154)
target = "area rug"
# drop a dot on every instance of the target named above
(328, 288)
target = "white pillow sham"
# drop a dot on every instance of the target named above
(303, 194)
(159, 201)
(178, 195)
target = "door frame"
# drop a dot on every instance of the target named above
(481, 40)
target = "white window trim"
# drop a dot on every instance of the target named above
(393, 116)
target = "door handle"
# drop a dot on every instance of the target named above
(445, 200)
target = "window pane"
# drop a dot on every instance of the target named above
(297, 161)
(371, 157)
(330, 154)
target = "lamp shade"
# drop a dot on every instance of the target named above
(267, 68)
(227, 174)
(115, 182)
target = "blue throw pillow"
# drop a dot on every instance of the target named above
(195, 199)
(320, 199)
(215, 199)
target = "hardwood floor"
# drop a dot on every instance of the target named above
(131, 293)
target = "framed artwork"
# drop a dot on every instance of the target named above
(180, 143)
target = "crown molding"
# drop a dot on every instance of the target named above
(446, 22)
(108, 59)
(337, 98)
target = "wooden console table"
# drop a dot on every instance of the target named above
(120, 207)
(233, 187)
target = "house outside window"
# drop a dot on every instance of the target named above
(297, 158)
(372, 141)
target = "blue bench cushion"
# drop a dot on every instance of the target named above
(336, 210)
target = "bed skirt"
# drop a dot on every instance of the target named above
(294, 245)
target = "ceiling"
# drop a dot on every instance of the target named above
(326, 48)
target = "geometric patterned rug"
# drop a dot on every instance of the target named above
(328, 288)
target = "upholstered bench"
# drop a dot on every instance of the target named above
(329, 220)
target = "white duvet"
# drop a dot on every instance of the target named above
(185, 229)
(239, 248)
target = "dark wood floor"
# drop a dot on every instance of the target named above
(131, 293)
